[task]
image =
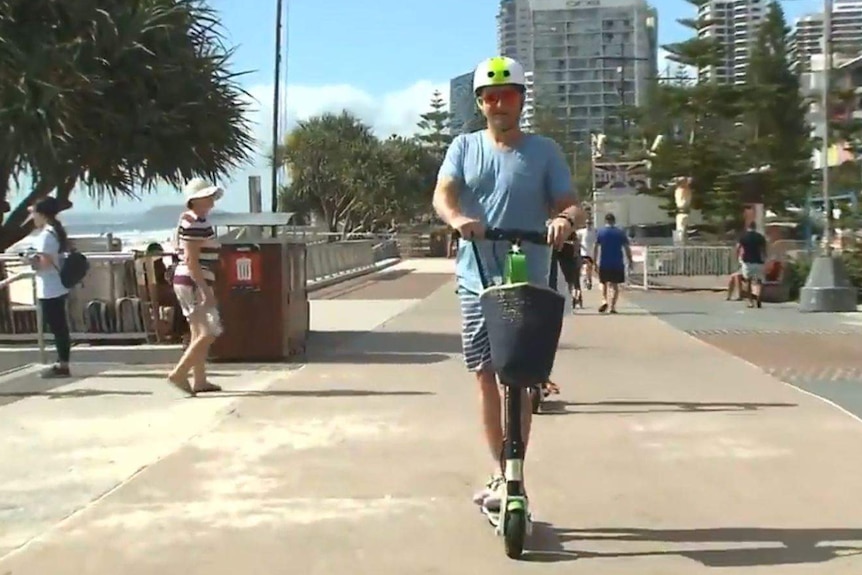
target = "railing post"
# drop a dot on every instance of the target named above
(40, 326)
(646, 267)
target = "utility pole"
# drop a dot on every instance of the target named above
(276, 96)
(827, 288)
(621, 90)
(827, 79)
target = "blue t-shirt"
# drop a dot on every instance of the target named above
(512, 189)
(611, 241)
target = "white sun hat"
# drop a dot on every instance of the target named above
(198, 188)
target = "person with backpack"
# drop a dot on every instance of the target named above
(49, 262)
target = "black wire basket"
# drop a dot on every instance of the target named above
(524, 322)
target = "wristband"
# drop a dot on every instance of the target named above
(567, 218)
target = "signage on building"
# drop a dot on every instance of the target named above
(621, 178)
(582, 3)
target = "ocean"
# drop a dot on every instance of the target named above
(134, 230)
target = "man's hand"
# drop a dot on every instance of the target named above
(469, 228)
(559, 230)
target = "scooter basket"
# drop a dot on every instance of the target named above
(524, 322)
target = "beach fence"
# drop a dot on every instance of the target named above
(119, 299)
(700, 267)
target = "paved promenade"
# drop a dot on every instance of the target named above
(663, 456)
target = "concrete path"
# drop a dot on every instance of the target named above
(664, 456)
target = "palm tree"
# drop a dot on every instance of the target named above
(117, 95)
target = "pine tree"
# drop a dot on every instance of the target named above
(777, 130)
(436, 126)
(696, 119)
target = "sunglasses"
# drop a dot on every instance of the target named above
(505, 97)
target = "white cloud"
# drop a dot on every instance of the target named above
(395, 112)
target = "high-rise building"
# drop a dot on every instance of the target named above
(462, 104)
(588, 57)
(806, 40)
(734, 25)
(514, 30)
(529, 104)
(748, 15)
(717, 17)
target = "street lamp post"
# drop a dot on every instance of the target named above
(827, 288)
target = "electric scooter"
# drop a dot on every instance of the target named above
(524, 324)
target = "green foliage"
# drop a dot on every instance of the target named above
(115, 94)
(715, 132)
(435, 126)
(355, 182)
(777, 130)
(577, 153)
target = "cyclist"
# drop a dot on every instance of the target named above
(503, 178)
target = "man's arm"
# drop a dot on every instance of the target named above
(596, 249)
(449, 181)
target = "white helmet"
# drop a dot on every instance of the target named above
(499, 71)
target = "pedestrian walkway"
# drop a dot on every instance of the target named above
(662, 456)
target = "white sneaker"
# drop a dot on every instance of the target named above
(493, 488)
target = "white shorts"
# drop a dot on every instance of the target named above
(190, 298)
(191, 302)
(751, 271)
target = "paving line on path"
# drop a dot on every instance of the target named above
(217, 420)
(751, 364)
(20, 371)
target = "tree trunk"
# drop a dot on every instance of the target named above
(14, 228)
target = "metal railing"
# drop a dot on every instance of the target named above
(682, 267)
(107, 280)
(329, 262)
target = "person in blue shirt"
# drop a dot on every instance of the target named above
(611, 252)
(500, 177)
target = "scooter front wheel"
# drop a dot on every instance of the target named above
(515, 533)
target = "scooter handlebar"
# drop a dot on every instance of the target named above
(512, 235)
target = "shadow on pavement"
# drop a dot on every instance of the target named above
(753, 547)
(545, 546)
(145, 373)
(321, 394)
(678, 312)
(556, 407)
(72, 394)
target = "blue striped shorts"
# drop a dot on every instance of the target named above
(474, 336)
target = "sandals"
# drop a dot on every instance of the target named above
(207, 387)
(550, 388)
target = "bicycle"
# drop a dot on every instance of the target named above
(524, 322)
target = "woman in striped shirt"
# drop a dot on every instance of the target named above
(193, 281)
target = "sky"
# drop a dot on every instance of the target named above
(382, 64)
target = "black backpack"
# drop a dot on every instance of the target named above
(74, 269)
